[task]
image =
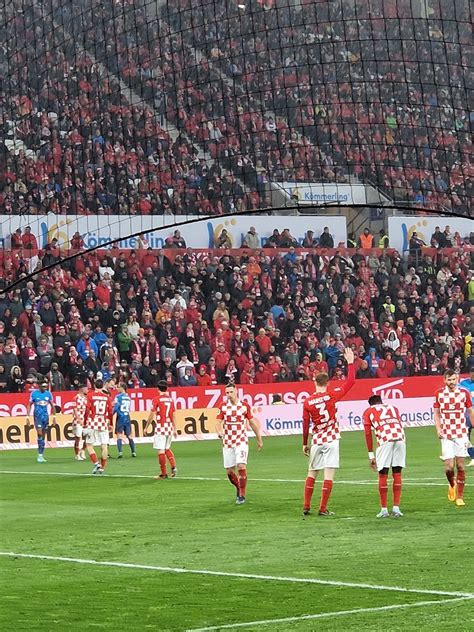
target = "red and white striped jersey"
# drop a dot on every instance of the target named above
(80, 405)
(386, 423)
(319, 412)
(164, 408)
(235, 419)
(98, 413)
(452, 405)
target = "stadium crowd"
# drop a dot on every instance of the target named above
(349, 90)
(357, 87)
(81, 146)
(252, 315)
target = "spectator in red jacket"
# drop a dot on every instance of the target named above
(263, 342)
(222, 357)
(203, 378)
(385, 367)
(29, 240)
(263, 376)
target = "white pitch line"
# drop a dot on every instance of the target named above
(323, 615)
(275, 578)
(425, 482)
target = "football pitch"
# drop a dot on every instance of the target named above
(126, 552)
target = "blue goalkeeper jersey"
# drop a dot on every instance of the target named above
(41, 402)
(122, 406)
(468, 384)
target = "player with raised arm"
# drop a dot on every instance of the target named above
(320, 420)
(233, 420)
(450, 405)
(78, 422)
(98, 418)
(163, 412)
(385, 421)
(123, 425)
(41, 402)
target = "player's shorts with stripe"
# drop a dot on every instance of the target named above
(41, 424)
(234, 456)
(123, 428)
(391, 454)
(162, 442)
(97, 437)
(451, 448)
(325, 455)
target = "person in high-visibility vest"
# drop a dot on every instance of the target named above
(366, 239)
(383, 240)
(351, 240)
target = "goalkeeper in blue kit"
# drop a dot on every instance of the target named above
(123, 425)
(41, 402)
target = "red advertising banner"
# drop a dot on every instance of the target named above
(197, 406)
(12, 405)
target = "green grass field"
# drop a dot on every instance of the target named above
(188, 524)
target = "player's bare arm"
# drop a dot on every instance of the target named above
(175, 427)
(52, 410)
(369, 440)
(470, 412)
(219, 429)
(254, 424)
(149, 421)
(437, 420)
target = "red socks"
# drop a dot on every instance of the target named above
(383, 489)
(232, 476)
(93, 457)
(242, 481)
(397, 489)
(308, 492)
(326, 492)
(162, 461)
(170, 456)
(76, 446)
(103, 463)
(450, 477)
(460, 481)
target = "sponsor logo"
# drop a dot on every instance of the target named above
(275, 424)
(386, 391)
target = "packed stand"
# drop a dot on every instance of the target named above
(82, 148)
(318, 91)
(254, 316)
(372, 90)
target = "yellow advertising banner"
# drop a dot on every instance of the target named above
(198, 423)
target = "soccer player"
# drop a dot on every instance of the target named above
(320, 420)
(468, 384)
(123, 426)
(78, 422)
(98, 418)
(385, 421)
(233, 420)
(163, 411)
(450, 405)
(110, 387)
(41, 402)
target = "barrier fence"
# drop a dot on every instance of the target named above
(197, 409)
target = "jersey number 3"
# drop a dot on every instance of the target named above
(322, 412)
